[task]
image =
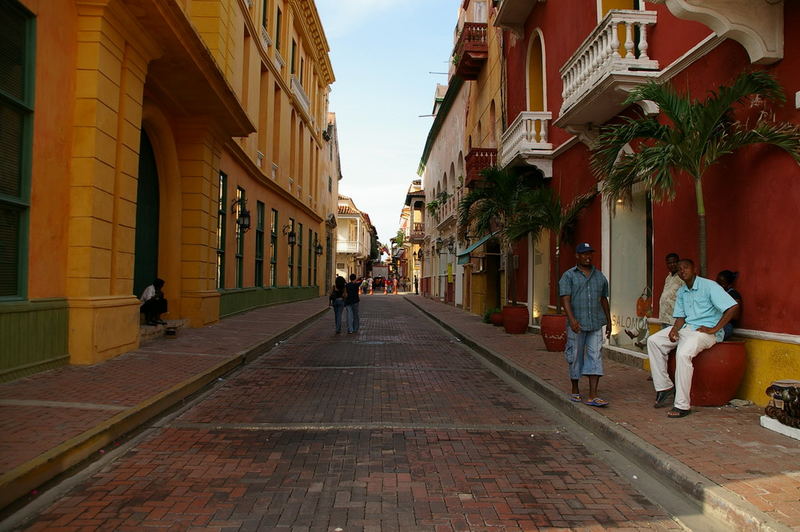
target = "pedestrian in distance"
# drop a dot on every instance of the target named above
(351, 304)
(336, 301)
(584, 295)
(395, 285)
(416, 285)
(702, 309)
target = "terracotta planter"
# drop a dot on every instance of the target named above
(554, 331)
(718, 372)
(515, 319)
(496, 318)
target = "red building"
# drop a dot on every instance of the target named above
(569, 65)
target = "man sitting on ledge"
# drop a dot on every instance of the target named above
(153, 303)
(702, 309)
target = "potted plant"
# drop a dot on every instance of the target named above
(495, 207)
(542, 210)
(493, 316)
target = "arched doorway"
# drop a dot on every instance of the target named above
(145, 267)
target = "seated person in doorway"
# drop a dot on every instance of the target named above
(726, 280)
(702, 309)
(153, 303)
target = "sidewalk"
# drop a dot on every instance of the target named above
(55, 419)
(722, 457)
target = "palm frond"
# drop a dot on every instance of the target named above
(674, 105)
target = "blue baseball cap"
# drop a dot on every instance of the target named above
(584, 247)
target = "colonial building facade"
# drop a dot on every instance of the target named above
(561, 81)
(182, 139)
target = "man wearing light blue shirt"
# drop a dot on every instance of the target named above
(702, 309)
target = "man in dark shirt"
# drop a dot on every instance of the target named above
(351, 304)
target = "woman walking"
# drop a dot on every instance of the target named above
(336, 301)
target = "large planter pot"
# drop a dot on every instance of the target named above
(554, 331)
(496, 318)
(718, 372)
(515, 319)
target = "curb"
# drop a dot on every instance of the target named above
(18, 482)
(711, 497)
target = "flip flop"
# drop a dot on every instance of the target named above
(678, 412)
(575, 398)
(597, 402)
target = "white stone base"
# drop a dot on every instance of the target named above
(773, 424)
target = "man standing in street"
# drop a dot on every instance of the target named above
(584, 294)
(673, 281)
(351, 304)
(702, 309)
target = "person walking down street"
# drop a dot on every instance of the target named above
(584, 294)
(673, 281)
(726, 280)
(416, 285)
(702, 309)
(351, 304)
(396, 284)
(336, 300)
(369, 284)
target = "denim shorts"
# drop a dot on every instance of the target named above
(583, 353)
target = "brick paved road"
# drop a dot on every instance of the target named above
(396, 428)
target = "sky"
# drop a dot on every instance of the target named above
(382, 52)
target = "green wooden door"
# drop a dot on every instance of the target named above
(146, 254)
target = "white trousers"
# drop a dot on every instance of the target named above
(689, 344)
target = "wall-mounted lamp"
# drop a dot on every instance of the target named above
(291, 236)
(318, 249)
(420, 254)
(243, 218)
(451, 246)
(439, 243)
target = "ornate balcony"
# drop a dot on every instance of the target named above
(610, 63)
(417, 232)
(297, 90)
(526, 142)
(476, 160)
(471, 50)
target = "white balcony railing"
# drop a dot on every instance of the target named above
(352, 246)
(527, 134)
(298, 91)
(617, 44)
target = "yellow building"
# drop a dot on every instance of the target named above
(147, 132)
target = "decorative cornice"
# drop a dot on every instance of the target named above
(313, 26)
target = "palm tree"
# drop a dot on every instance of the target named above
(694, 136)
(496, 205)
(542, 209)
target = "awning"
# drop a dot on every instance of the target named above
(463, 257)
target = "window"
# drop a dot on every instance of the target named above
(300, 254)
(273, 249)
(259, 275)
(290, 261)
(278, 21)
(239, 240)
(310, 256)
(316, 259)
(293, 57)
(330, 184)
(302, 69)
(264, 9)
(221, 218)
(16, 124)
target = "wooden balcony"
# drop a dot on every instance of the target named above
(476, 160)
(417, 232)
(472, 50)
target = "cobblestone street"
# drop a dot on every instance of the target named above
(397, 427)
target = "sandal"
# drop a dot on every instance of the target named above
(575, 398)
(597, 402)
(678, 412)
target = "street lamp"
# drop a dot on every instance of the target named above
(243, 219)
(318, 249)
(291, 236)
